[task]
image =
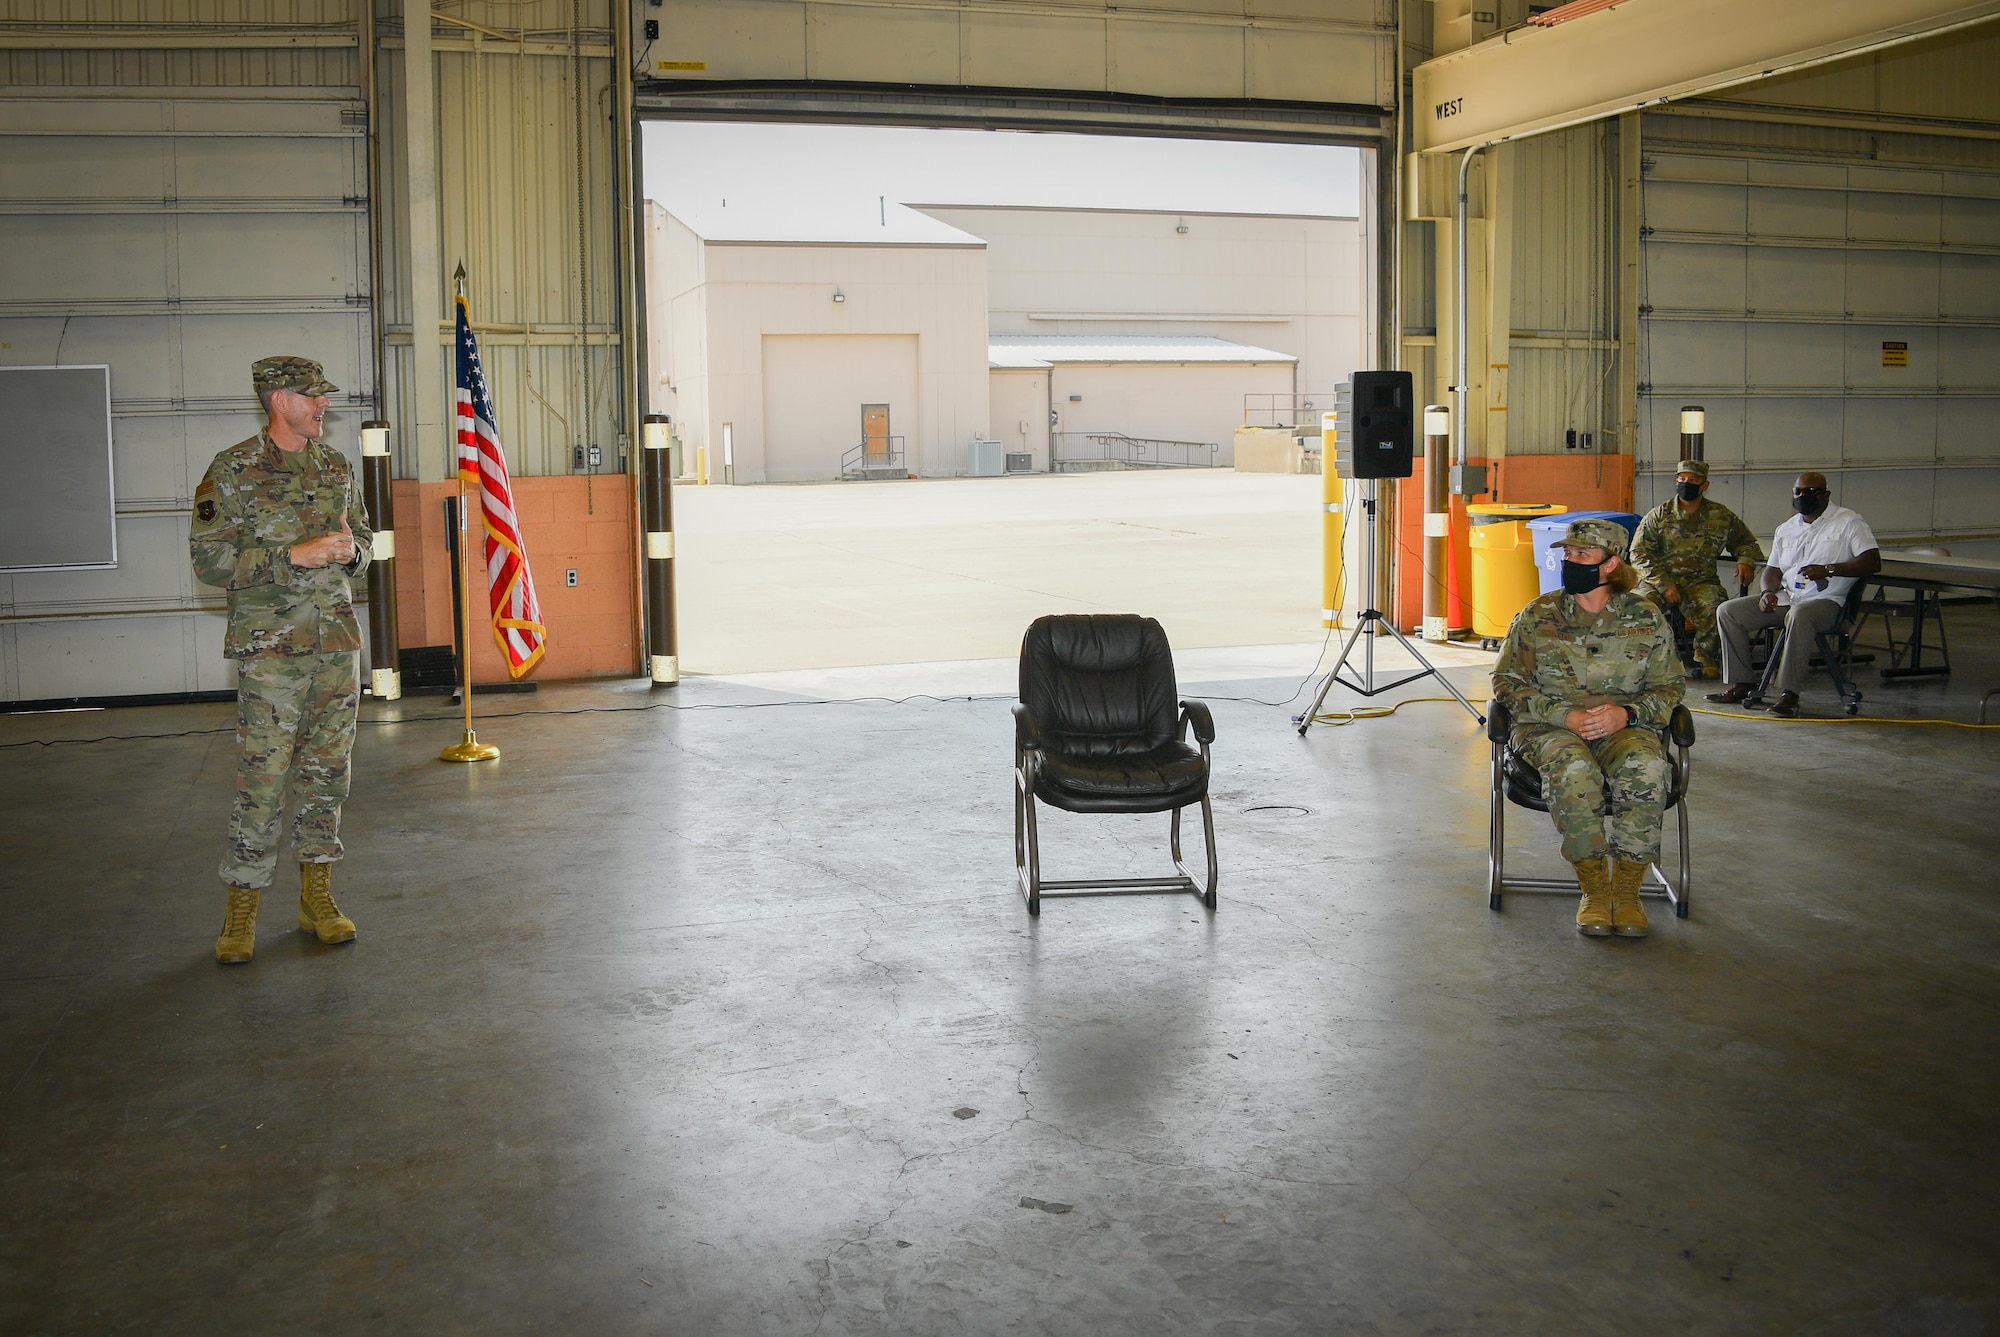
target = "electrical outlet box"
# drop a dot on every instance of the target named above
(569, 577)
(652, 30)
(596, 457)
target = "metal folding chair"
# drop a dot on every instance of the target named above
(1515, 781)
(1836, 654)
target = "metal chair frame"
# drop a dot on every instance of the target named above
(1678, 892)
(1836, 650)
(1027, 843)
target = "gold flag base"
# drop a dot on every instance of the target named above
(470, 750)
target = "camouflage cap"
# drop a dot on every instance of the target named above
(1699, 468)
(300, 375)
(1606, 534)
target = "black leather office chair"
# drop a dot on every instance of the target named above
(1836, 654)
(1096, 730)
(1516, 781)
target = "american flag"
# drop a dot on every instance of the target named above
(517, 615)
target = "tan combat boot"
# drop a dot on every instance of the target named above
(1628, 917)
(239, 927)
(318, 914)
(1593, 914)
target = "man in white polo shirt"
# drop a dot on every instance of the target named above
(1816, 557)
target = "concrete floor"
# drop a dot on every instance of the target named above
(845, 574)
(666, 1022)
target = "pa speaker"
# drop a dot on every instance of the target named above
(1377, 425)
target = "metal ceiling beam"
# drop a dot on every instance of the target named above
(1641, 53)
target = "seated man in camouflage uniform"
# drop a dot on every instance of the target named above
(1589, 673)
(279, 523)
(1676, 549)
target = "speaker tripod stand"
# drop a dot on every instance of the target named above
(1372, 618)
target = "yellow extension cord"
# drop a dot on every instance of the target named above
(1336, 718)
(1839, 719)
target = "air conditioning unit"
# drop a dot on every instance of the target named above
(1020, 461)
(985, 459)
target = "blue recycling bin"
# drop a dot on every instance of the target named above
(1549, 529)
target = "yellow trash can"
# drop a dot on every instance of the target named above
(1504, 577)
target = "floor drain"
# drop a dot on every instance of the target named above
(1281, 810)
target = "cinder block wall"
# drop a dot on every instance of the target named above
(568, 522)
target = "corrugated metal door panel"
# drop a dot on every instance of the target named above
(1798, 430)
(176, 238)
(1685, 206)
(1791, 282)
(1695, 278)
(47, 167)
(1793, 356)
(1971, 357)
(1971, 222)
(1884, 430)
(1967, 505)
(1889, 283)
(75, 260)
(1797, 213)
(1970, 284)
(1696, 353)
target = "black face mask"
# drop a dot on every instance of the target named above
(1810, 502)
(1582, 577)
(1689, 491)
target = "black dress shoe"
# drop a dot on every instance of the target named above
(1733, 693)
(1786, 707)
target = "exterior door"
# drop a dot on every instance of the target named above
(875, 434)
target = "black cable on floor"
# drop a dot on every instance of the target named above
(517, 714)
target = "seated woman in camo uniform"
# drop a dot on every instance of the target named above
(1590, 675)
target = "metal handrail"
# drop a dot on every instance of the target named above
(1285, 409)
(1139, 452)
(858, 461)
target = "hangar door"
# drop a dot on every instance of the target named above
(176, 234)
(1317, 52)
(1836, 310)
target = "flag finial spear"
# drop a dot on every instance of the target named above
(458, 278)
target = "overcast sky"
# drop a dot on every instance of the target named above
(698, 164)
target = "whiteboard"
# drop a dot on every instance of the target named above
(56, 499)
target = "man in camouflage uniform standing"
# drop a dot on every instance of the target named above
(1589, 675)
(280, 524)
(1676, 549)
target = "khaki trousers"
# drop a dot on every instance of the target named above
(1737, 618)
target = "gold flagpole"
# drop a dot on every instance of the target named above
(471, 749)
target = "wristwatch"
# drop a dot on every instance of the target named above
(1631, 717)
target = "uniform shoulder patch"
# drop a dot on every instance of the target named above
(205, 510)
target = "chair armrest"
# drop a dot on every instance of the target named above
(1499, 722)
(1196, 713)
(1680, 727)
(1027, 733)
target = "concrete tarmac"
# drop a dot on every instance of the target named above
(716, 1011)
(847, 574)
